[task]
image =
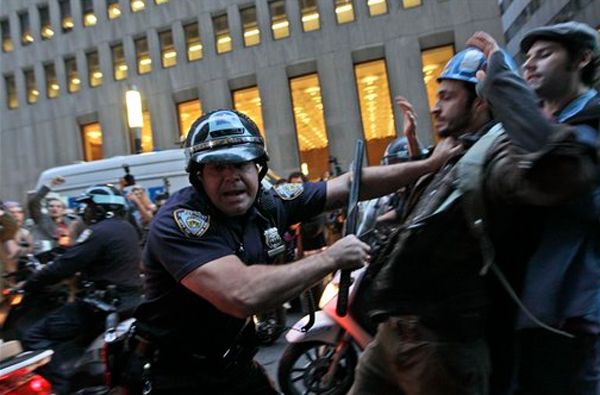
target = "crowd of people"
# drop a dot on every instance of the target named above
(490, 280)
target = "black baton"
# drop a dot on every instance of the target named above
(351, 224)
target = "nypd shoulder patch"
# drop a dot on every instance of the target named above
(85, 235)
(289, 191)
(191, 223)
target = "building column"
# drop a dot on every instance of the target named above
(207, 35)
(404, 66)
(165, 132)
(179, 42)
(340, 105)
(215, 94)
(106, 65)
(234, 21)
(292, 9)
(278, 119)
(154, 49)
(263, 19)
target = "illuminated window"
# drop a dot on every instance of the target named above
(113, 9)
(142, 55)
(310, 15)
(31, 87)
(160, 1)
(411, 3)
(222, 35)
(7, 44)
(193, 42)
(434, 61)
(377, 7)
(94, 72)
(250, 26)
(187, 113)
(73, 81)
(147, 139)
(118, 61)
(344, 11)
(137, 5)
(52, 86)
(91, 135)
(280, 26)
(12, 101)
(375, 108)
(66, 19)
(87, 13)
(310, 124)
(46, 30)
(167, 49)
(26, 35)
(247, 101)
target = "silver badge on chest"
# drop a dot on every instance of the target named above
(274, 242)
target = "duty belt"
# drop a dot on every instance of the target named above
(237, 355)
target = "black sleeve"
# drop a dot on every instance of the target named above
(75, 259)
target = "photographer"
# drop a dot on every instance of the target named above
(140, 209)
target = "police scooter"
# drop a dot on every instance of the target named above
(17, 376)
(323, 350)
(322, 359)
(17, 312)
(92, 361)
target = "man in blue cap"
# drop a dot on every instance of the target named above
(562, 279)
(431, 300)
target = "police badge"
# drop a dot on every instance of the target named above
(84, 236)
(274, 242)
(289, 191)
(191, 223)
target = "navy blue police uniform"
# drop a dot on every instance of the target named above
(106, 254)
(194, 346)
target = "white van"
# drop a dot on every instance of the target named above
(151, 170)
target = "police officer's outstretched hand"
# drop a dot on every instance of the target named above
(444, 150)
(348, 253)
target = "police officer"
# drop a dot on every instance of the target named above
(107, 256)
(562, 283)
(208, 253)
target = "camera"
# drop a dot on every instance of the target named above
(128, 178)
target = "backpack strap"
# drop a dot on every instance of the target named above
(470, 170)
(470, 186)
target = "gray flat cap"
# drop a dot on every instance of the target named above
(569, 32)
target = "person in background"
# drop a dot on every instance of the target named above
(8, 228)
(142, 207)
(22, 243)
(311, 234)
(52, 226)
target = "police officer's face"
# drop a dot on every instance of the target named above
(232, 188)
(452, 112)
(548, 69)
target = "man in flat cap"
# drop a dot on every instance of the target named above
(562, 278)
